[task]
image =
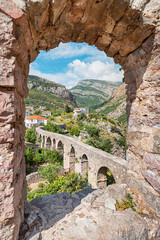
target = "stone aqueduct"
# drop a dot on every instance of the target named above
(128, 31)
(80, 158)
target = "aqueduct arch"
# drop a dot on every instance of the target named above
(84, 165)
(72, 157)
(126, 30)
(54, 143)
(104, 177)
(48, 143)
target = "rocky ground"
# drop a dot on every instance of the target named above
(88, 214)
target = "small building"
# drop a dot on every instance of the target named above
(78, 111)
(29, 108)
(35, 121)
(46, 113)
(42, 108)
(27, 113)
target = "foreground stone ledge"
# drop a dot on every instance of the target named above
(84, 215)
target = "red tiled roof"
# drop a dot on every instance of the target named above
(37, 117)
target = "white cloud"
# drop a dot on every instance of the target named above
(70, 50)
(79, 70)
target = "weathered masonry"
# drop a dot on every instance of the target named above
(128, 31)
(80, 158)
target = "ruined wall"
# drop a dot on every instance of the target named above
(14, 65)
(128, 31)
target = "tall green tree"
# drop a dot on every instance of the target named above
(67, 109)
(30, 135)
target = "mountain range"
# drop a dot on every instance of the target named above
(101, 96)
(47, 93)
(89, 92)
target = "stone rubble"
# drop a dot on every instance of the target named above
(88, 214)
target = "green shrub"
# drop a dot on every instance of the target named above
(105, 144)
(53, 128)
(124, 204)
(37, 112)
(92, 131)
(82, 116)
(41, 156)
(122, 142)
(123, 118)
(48, 156)
(74, 131)
(40, 139)
(68, 109)
(40, 185)
(30, 135)
(110, 178)
(70, 183)
(29, 155)
(49, 171)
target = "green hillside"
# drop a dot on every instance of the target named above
(115, 105)
(46, 93)
(49, 100)
(89, 92)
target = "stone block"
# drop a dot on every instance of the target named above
(11, 9)
(153, 162)
(153, 179)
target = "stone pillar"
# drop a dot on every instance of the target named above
(142, 75)
(14, 66)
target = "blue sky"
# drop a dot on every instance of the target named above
(71, 62)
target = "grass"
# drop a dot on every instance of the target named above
(123, 118)
(124, 204)
(39, 98)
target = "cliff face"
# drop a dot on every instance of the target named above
(89, 91)
(43, 85)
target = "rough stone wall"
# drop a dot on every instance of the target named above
(128, 31)
(14, 65)
(33, 178)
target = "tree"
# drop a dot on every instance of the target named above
(53, 128)
(30, 135)
(92, 131)
(49, 171)
(74, 131)
(29, 154)
(37, 112)
(67, 109)
(123, 79)
(82, 116)
(104, 144)
(50, 156)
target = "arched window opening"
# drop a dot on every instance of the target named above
(54, 143)
(104, 178)
(48, 144)
(60, 149)
(72, 160)
(84, 166)
(43, 142)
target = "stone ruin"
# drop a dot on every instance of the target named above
(128, 31)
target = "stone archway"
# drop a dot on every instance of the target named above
(54, 143)
(60, 148)
(84, 165)
(128, 31)
(48, 143)
(104, 178)
(72, 160)
(43, 142)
